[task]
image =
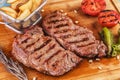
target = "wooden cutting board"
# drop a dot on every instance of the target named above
(85, 71)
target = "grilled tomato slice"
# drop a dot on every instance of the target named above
(108, 18)
(93, 7)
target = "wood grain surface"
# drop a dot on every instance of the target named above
(85, 71)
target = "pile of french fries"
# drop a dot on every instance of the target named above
(20, 9)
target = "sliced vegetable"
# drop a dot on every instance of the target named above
(116, 47)
(108, 18)
(119, 36)
(108, 39)
(115, 50)
(93, 7)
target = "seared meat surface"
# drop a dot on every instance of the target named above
(59, 52)
(72, 37)
(43, 53)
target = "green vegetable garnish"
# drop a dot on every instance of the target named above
(115, 50)
(119, 36)
(107, 38)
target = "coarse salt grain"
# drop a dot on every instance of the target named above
(76, 22)
(90, 61)
(34, 78)
(99, 67)
(42, 10)
(97, 59)
(61, 10)
(117, 57)
(65, 13)
(75, 11)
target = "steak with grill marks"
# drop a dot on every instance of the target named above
(72, 37)
(43, 53)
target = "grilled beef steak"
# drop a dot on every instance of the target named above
(72, 37)
(43, 53)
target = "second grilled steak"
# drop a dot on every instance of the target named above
(72, 37)
(43, 53)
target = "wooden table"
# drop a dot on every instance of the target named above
(85, 71)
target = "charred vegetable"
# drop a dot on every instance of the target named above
(116, 47)
(113, 49)
(108, 18)
(119, 36)
(107, 38)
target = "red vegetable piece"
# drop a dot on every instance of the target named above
(93, 7)
(108, 18)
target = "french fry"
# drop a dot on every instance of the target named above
(8, 10)
(24, 14)
(27, 5)
(11, 14)
(11, 1)
(36, 4)
(17, 4)
(20, 9)
(19, 13)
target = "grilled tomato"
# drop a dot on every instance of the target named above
(93, 7)
(108, 18)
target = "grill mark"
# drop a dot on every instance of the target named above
(42, 53)
(105, 10)
(49, 54)
(56, 53)
(84, 39)
(62, 31)
(62, 34)
(78, 38)
(44, 44)
(104, 22)
(54, 21)
(29, 42)
(61, 25)
(85, 3)
(47, 50)
(57, 24)
(58, 17)
(25, 41)
(110, 15)
(38, 57)
(32, 44)
(86, 44)
(110, 21)
(81, 33)
(54, 64)
(72, 32)
(66, 36)
(102, 17)
(92, 3)
(113, 20)
(51, 47)
(52, 15)
(36, 45)
(49, 27)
